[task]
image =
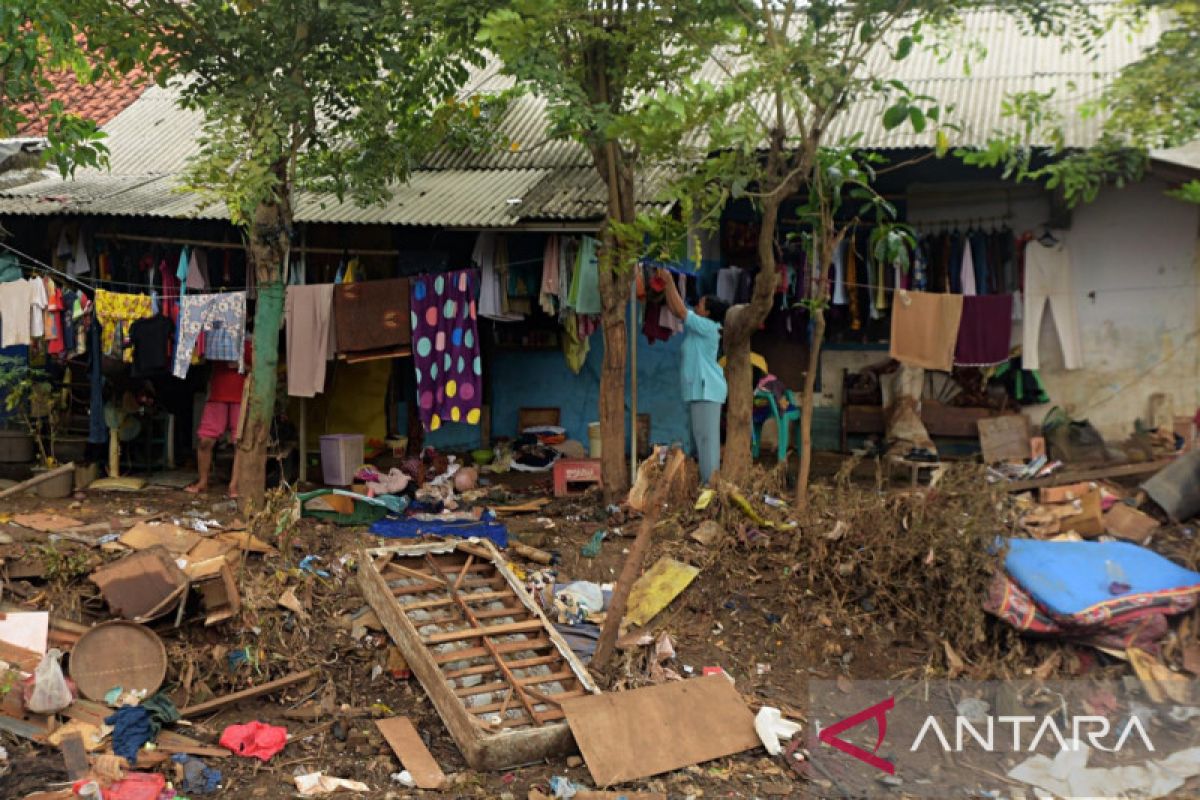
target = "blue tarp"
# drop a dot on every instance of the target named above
(489, 529)
(1068, 578)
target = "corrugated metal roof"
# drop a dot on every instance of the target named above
(151, 140)
(467, 198)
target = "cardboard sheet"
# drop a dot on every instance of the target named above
(175, 539)
(46, 523)
(624, 736)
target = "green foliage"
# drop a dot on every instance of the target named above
(341, 96)
(29, 396)
(1154, 102)
(42, 39)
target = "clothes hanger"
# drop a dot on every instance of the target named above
(1047, 239)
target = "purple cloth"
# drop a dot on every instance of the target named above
(984, 331)
(446, 348)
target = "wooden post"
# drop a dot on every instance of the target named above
(633, 562)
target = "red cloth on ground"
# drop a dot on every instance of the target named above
(254, 740)
(137, 786)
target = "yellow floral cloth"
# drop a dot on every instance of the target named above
(117, 312)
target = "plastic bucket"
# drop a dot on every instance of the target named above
(341, 455)
(594, 439)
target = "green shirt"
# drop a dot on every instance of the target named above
(701, 376)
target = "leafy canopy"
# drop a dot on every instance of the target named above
(344, 96)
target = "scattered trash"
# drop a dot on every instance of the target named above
(708, 533)
(656, 588)
(198, 777)
(51, 693)
(255, 740)
(773, 729)
(561, 787)
(316, 783)
(1068, 775)
(591, 548)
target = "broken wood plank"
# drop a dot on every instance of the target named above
(23, 728)
(414, 756)
(633, 562)
(74, 756)
(484, 630)
(551, 677)
(245, 694)
(1098, 473)
(532, 553)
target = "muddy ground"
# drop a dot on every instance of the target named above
(769, 607)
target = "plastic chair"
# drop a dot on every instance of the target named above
(783, 420)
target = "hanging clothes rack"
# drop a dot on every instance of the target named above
(34, 263)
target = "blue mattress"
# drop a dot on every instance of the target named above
(1069, 578)
(494, 531)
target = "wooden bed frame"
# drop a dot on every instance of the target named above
(489, 659)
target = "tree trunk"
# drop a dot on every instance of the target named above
(806, 408)
(740, 324)
(267, 250)
(615, 280)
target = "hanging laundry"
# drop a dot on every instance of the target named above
(491, 256)
(575, 347)
(925, 329)
(839, 275)
(585, 284)
(79, 263)
(310, 337)
(1048, 280)
(728, 281)
(53, 319)
(551, 272)
(568, 251)
(10, 268)
(37, 308)
(116, 312)
(446, 355)
(966, 271)
(197, 271)
(985, 331)
(668, 320)
(221, 318)
(151, 339)
(371, 317)
(16, 304)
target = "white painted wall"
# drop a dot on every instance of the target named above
(1136, 289)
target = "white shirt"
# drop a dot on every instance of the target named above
(16, 299)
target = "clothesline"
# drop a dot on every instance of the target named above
(36, 264)
(877, 287)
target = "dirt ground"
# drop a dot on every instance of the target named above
(759, 609)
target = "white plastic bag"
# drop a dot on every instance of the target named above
(50, 691)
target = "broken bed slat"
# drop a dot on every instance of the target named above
(484, 630)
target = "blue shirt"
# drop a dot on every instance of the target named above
(700, 374)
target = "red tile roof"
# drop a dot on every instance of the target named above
(99, 101)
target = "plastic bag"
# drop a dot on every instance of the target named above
(51, 693)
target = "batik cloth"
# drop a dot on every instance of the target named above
(446, 348)
(116, 314)
(221, 318)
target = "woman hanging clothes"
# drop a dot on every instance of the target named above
(703, 380)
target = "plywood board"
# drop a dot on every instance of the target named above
(414, 756)
(624, 736)
(1004, 438)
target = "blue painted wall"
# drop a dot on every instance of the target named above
(533, 378)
